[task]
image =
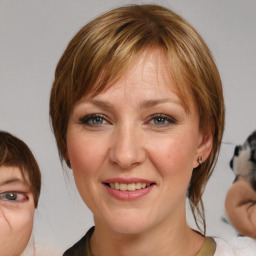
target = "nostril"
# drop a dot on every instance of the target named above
(127, 158)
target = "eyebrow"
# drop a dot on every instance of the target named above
(145, 104)
(99, 103)
(152, 103)
(13, 181)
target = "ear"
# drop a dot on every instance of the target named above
(204, 147)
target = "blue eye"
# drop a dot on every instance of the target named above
(159, 120)
(12, 196)
(162, 120)
(93, 120)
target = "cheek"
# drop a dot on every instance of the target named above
(16, 225)
(173, 156)
(86, 155)
(24, 222)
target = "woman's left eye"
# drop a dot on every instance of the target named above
(161, 120)
(12, 196)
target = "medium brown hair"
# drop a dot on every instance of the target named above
(14, 152)
(101, 52)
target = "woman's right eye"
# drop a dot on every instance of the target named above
(93, 120)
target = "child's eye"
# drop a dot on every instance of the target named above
(12, 196)
(161, 120)
(93, 120)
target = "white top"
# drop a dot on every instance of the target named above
(238, 246)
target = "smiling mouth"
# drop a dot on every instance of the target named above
(129, 186)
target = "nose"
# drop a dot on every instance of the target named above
(127, 148)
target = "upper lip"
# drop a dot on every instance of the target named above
(127, 180)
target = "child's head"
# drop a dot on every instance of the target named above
(20, 182)
(15, 153)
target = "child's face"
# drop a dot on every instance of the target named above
(16, 211)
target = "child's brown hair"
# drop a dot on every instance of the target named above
(14, 152)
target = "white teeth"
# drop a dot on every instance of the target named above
(123, 187)
(117, 186)
(129, 187)
(138, 185)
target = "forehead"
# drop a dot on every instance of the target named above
(149, 76)
(150, 70)
(10, 174)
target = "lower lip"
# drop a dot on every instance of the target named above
(128, 195)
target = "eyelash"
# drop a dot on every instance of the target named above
(93, 120)
(162, 117)
(14, 196)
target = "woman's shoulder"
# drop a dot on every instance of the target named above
(238, 246)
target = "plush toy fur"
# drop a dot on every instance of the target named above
(240, 200)
(243, 162)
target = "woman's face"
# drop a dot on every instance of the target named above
(16, 211)
(133, 148)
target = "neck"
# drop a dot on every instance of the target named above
(172, 238)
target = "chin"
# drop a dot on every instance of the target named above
(129, 223)
(125, 228)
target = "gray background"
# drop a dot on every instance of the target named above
(33, 36)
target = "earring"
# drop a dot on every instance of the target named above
(200, 160)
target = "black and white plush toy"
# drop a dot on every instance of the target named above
(240, 203)
(243, 162)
